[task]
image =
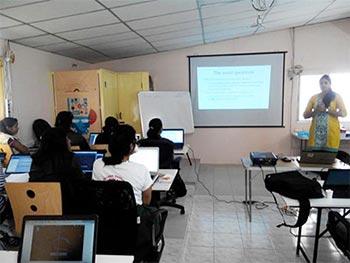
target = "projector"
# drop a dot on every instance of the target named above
(263, 158)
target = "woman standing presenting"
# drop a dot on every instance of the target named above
(324, 109)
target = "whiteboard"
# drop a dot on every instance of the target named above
(174, 108)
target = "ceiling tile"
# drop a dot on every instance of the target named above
(170, 47)
(228, 34)
(77, 22)
(231, 8)
(19, 32)
(14, 3)
(82, 53)
(120, 44)
(129, 51)
(95, 32)
(154, 8)
(178, 41)
(176, 34)
(51, 9)
(39, 41)
(170, 28)
(119, 3)
(164, 20)
(6, 22)
(58, 47)
(108, 39)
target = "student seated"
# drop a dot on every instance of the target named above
(39, 127)
(64, 120)
(8, 130)
(166, 155)
(54, 162)
(110, 128)
(118, 167)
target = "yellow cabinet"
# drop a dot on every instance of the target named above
(108, 93)
(129, 85)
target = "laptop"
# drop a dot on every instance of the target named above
(177, 136)
(338, 180)
(93, 137)
(86, 160)
(58, 239)
(317, 157)
(149, 157)
(19, 164)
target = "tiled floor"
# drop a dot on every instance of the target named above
(213, 231)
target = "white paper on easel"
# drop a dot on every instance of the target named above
(174, 108)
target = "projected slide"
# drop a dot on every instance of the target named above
(234, 87)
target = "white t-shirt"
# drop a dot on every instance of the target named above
(136, 174)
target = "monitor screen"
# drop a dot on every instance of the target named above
(148, 156)
(338, 178)
(86, 160)
(176, 135)
(58, 241)
(92, 138)
(19, 164)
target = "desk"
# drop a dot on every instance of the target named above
(163, 185)
(11, 257)
(184, 151)
(319, 204)
(280, 167)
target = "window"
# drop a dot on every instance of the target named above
(309, 86)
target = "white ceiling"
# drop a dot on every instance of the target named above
(101, 30)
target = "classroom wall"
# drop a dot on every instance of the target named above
(322, 47)
(31, 86)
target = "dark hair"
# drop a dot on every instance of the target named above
(111, 125)
(53, 146)
(155, 127)
(39, 127)
(64, 120)
(326, 77)
(119, 145)
(7, 122)
(330, 95)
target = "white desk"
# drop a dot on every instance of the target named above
(185, 152)
(319, 204)
(11, 257)
(280, 167)
(164, 183)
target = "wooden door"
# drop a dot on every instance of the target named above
(108, 94)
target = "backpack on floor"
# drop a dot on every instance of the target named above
(339, 228)
(296, 186)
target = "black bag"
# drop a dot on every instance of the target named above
(178, 187)
(296, 186)
(339, 228)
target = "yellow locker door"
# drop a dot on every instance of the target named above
(129, 85)
(108, 94)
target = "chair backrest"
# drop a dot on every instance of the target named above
(344, 157)
(33, 199)
(114, 203)
(5, 148)
(166, 151)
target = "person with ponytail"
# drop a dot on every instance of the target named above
(110, 128)
(325, 108)
(8, 131)
(118, 167)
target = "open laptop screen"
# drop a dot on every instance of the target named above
(86, 160)
(174, 135)
(19, 163)
(338, 179)
(92, 138)
(55, 240)
(148, 156)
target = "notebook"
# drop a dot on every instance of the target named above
(176, 136)
(86, 160)
(317, 157)
(58, 239)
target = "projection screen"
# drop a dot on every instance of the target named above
(237, 90)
